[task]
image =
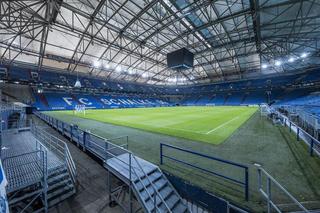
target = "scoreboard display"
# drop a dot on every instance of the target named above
(180, 59)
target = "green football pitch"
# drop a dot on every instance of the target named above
(247, 138)
(207, 124)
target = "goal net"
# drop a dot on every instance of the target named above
(265, 110)
(80, 109)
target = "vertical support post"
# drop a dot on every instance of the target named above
(311, 147)
(45, 162)
(130, 181)
(71, 130)
(109, 187)
(290, 126)
(161, 153)
(78, 142)
(106, 149)
(259, 179)
(269, 194)
(127, 142)
(154, 200)
(65, 154)
(84, 141)
(298, 131)
(246, 184)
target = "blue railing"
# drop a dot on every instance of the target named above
(312, 142)
(83, 138)
(244, 184)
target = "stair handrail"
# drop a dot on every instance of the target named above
(267, 195)
(71, 165)
(130, 169)
(152, 185)
(140, 167)
(59, 146)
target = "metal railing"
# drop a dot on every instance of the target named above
(244, 183)
(114, 151)
(57, 146)
(312, 142)
(271, 205)
(134, 171)
(10, 106)
(25, 170)
(104, 149)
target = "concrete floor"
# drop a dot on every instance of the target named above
(91, 193)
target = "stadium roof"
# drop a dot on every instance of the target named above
(129, 39)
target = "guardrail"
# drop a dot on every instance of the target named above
(25, 170)
(100, 147)
(313, 143)
(57, 146)
(271, 205)
(244, 183)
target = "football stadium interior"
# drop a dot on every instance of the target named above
(160, 106)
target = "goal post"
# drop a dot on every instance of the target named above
(80, 108)
(265, 110)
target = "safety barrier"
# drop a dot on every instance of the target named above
(104, 149)
(27, 170)
(313, 143)
(84, 138)
(245, 169)
(57, 146)
(271, 205)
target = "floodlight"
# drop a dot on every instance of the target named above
(291, 59)
(107, 66)
(97, 64)
(118, 68)
(304, 55)
(278, 63)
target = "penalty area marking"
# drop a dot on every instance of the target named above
(184, 130)
(222, 125)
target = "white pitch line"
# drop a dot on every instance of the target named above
(184, 130)
(222, 125)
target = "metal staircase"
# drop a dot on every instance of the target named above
(60, 185)
(149, 185)
(156, 192)
(136, 177)
(61, 178)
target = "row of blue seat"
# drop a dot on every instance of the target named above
(67, 79)
(278, 96)
(68, 101)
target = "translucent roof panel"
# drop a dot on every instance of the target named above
(228, 38)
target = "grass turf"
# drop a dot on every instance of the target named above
(206, 124)
(256, 141)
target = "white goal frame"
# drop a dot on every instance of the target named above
(80, 108)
